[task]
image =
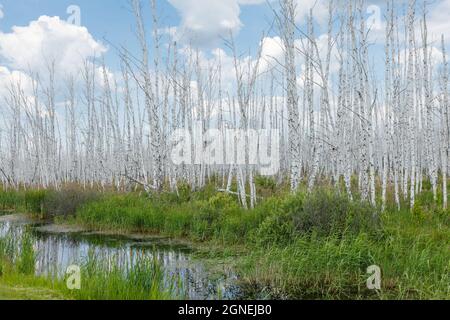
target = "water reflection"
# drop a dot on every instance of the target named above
(55, 252)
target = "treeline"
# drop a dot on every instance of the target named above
(389, 134)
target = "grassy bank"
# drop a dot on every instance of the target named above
(316, 245)
(412, 252)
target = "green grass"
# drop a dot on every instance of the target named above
(143, 281)
(46, 203)
(11, 200)
(413, 256)
(16, 286)
(410, 247)
(302, 245)
(218, 218)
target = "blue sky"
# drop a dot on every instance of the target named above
(113, 21)
(204, 22)
(106, 20)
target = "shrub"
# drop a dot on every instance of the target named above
(184, 192)
(205, 193)
(327, 212)
(266, 183)
(66, 201)
(275, 225)
(274, 230)
(324, 212)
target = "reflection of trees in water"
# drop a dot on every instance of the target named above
(55, 253)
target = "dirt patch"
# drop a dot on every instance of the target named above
(16, 218)
(59, 228)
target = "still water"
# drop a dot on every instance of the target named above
(58, 250)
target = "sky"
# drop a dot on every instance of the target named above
(112, 22)
(32, 29)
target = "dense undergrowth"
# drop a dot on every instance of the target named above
(303, 245)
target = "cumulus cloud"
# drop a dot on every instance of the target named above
(10, 78)
(32, 49)
(18, 81)
(437, 22)
(48, 39)
(272, 52)
(205, 21)
(2, 14)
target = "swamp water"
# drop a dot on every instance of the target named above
(57, 249)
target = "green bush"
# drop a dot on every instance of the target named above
(274, 224)
(327, 212)
(322, 212)
(274, 230)
(266, 183)
(184, 192)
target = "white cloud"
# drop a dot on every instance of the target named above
(227, 65)
(272, 52)
(249, 2)
(34, 47)
(320, 10)
(272, 55)
(438, 20)
(45, 40)
(435, 55)
(2, 14)
(101, 75)
(10, 79)
(15, 81)
(205, 21)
